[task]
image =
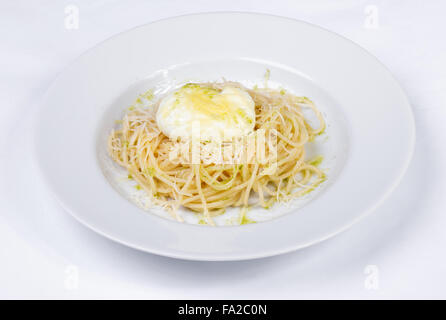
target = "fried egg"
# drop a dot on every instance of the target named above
(196, 111)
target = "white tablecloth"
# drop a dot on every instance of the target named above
(398, 252)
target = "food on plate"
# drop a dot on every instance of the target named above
(211, 146)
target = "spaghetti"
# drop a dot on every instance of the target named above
(209, 187)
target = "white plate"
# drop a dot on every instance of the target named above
(367, 147)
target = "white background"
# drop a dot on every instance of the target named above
(43, 251)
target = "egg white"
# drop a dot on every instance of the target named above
(199, 112)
